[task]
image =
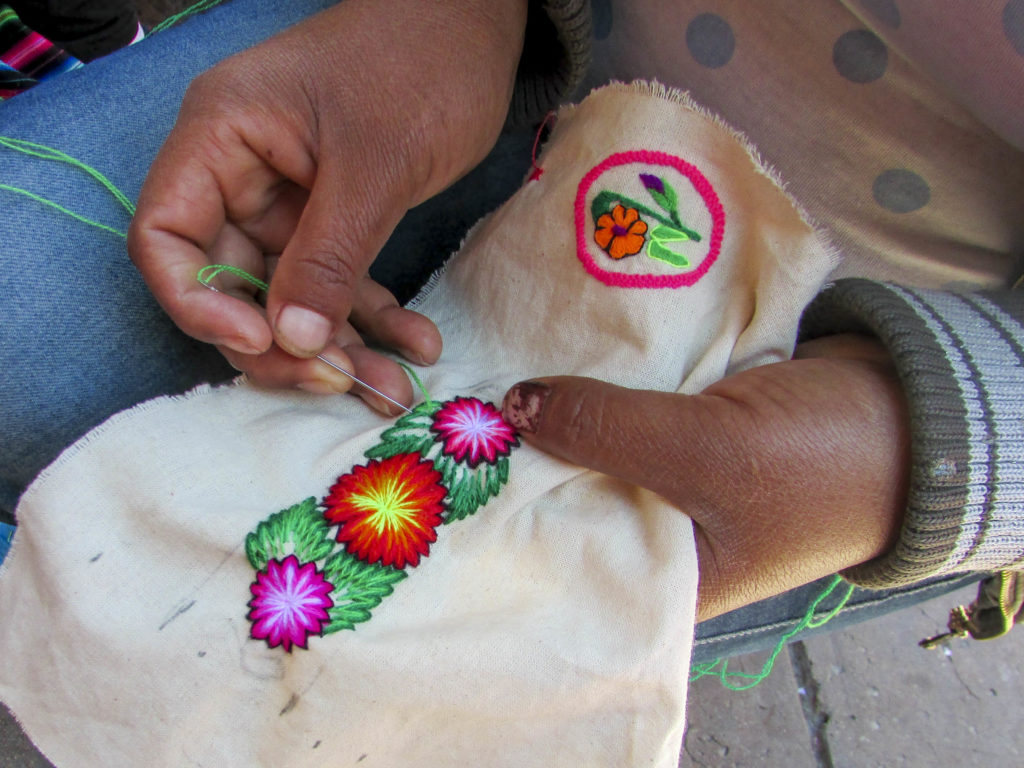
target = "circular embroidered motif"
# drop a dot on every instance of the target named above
(653, 221)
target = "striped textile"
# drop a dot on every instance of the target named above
(26, 57)
(960, 358)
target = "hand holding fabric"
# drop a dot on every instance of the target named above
(295, 159)
(790, 471)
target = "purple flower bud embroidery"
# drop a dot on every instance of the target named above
(652, 182)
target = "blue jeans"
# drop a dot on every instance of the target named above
(80, 336)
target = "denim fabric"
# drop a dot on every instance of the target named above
(6, 535)
(759, 626)
(80, 336)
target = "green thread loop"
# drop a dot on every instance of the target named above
(210, 271)
(720, 667)
(62, 209)
(43, 152)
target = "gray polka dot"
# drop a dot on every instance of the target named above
(901, 191)
(1013, 24)
(711, 40)
(602, 10)
(860, 56)
(886, 11)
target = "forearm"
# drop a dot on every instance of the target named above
(959, 358)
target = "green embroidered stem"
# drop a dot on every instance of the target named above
(202, 5)
(210, 271)
(720, 667)
(603, 203)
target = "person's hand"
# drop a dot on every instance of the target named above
(310, 147)
(790, 471)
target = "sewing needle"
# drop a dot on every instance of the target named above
(338, 368)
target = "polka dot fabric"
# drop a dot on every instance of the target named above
(893, 122)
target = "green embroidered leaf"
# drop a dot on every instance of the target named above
(656, 250)
(300, 530)
(669, 234)
(468, 488)
(410, 434)
(358, 588)
(668, 201)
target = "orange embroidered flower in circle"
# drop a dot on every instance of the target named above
(621, 232)
(388, 510)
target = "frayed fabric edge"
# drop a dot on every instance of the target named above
(683, 98)
(100, 429)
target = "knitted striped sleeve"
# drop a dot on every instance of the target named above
(960, 358)
(556, 54)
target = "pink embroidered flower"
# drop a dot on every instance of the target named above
(289, 603)
(474, 431)
(388, 510)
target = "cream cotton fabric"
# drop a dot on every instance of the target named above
(552, 627)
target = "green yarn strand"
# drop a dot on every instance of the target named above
(720, 667)
(44, 152)
(170, 21)
(207, 273)
(62, 209)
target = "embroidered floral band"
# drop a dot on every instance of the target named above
(321, 568)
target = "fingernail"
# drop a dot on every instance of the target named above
(413, 357)
(318, 388)
(302, 331)
(523, 405)
(379, 404)
(243, 345)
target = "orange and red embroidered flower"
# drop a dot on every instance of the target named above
(388, 510)
(289, 603)
(473, 431)
(621, 232)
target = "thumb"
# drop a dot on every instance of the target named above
(636, 435)
(341, 230)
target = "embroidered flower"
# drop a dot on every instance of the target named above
(388, 510)
(289, 603)
(620, 232)
(474, 431)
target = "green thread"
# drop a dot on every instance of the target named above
(427, 399)
(720, 667)
(170, 21)
(62, 209)
(210, 271)
(43, 152)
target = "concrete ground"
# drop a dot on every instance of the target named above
(869, 697)
(865, 697)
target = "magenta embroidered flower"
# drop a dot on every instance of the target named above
(474, 431)
(289, 603)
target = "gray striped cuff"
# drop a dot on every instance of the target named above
(960, 358)
(556, 55)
